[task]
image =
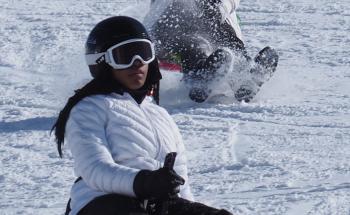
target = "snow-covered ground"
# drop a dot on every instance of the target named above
(287, 152)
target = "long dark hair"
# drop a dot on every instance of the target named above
(103, 84)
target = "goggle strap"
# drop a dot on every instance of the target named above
(93, 59)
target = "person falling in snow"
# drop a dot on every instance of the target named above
(203, 36)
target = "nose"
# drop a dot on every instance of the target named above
(137, 63)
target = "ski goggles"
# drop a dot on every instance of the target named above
(124, 54)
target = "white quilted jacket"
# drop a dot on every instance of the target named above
(112, 138)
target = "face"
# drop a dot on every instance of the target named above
(133, 77)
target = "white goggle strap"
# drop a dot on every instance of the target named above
(94, 59)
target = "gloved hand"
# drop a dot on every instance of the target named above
(159, 184)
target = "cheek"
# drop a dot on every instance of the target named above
(116, 75)
(119, 76)
(145, 69)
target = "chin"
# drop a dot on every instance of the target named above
(136, 86)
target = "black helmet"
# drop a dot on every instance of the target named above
(110, 32)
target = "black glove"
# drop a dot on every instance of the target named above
(159, 184)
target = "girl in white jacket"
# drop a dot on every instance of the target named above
(119, 136)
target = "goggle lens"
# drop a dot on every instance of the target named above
(125, 53)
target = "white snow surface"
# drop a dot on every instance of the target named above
(287, 152)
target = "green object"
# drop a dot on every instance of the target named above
(175, 58)
(239, 19)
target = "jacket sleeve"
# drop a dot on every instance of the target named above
(228, 10)
(229, 6)
(181, 169)
(236, 3)
(85, 135)
(181, 164)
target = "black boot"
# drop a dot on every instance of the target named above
(265, 65)
(210, 70)
(245, 93)
(267, 58)
(198, 94)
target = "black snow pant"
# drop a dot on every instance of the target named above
(114, 204)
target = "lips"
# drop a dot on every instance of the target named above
(136, 73)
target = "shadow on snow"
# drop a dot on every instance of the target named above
(33, 124)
